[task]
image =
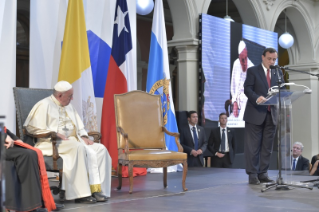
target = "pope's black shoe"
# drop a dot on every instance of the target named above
(86, 200)
(99, 196)
(58, 207)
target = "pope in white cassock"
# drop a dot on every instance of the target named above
(86, 165)
(239, 99)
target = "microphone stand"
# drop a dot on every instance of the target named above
(280, 184)
(304, 72)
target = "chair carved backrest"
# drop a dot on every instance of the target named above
(25, 99)
(140, 115)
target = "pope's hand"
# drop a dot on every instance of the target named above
(87, 141)
(62, 137)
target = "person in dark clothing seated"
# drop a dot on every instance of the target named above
(298, 162)
(315, 168)
(27, 186)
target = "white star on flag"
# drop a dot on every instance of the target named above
(120, 21)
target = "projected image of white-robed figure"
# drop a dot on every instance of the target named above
(238, 97)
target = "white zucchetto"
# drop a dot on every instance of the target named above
(62, 86)
(241, 46)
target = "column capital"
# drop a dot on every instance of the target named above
(183, 42)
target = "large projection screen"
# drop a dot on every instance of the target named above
(223, 75)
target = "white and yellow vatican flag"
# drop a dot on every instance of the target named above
(8, 31)
(75, 66)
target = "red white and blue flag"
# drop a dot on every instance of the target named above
(120, 79)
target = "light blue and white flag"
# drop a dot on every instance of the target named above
(158, 77)
(8, 46)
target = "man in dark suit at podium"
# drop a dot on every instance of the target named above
(298, 162)
(222, 144)
(193, 140)
(260, 120)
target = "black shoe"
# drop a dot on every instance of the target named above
(62, 195)
(266, 180)
(58, 207)
(99, 196)
(254, 181)
(86, 200)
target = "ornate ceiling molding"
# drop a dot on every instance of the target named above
(269, 3)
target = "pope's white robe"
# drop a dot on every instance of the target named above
(85, 167)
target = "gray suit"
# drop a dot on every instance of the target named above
(186, 140)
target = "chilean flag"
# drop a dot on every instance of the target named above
(119, 77)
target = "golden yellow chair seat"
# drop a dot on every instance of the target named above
(154, 155)
(140, 127)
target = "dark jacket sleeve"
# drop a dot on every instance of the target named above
(249, 86)
(211, 142)
(182, 140)
(305, 164)
(13, 136)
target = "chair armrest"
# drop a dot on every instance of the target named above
(53, 136)
(122, 132)
(176, 135)
(96, 135)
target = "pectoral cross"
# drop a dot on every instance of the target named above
(65, 129)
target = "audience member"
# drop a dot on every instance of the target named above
(298, 162)
(193, 140)
(315, 168)
(26, 176)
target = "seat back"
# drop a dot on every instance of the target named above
(25, 99)
(140, 115)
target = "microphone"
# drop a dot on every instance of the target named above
(279, 73)
(275, 67)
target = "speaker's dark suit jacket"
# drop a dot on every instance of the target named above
(302, 164)
(186, 140)
(215, 140)
(256, 85)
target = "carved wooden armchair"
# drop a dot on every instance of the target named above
(25, 99)
(139, 121)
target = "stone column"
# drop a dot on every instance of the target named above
(187, 75)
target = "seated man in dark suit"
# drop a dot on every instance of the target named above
(193, 140)
(27, 187)
(222, 144)
(298, 162)
(315, 168)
